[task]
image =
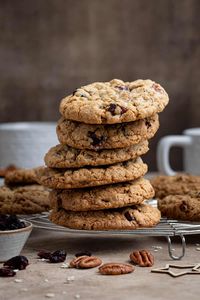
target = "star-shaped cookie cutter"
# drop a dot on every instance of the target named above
(194, 270)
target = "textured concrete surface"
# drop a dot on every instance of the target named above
(41, 278)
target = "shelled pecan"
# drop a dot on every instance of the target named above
(85, 262)
(115, 269)
(143, 258)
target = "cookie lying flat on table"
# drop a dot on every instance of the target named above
(91, 176)
(180, 184)
(103, 197)
(181, 207)
(134, 217)
(20, 176)
(114, 102)
(63, 156)
(5, 170)
(29, 199)
(84, 136)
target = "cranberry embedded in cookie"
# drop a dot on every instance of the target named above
(114, 102)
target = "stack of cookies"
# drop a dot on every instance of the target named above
(96, 172)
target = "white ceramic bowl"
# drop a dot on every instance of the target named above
(12, 241)
(24, 144)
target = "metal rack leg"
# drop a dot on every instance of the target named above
(170, 248)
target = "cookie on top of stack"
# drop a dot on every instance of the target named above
(96, 172)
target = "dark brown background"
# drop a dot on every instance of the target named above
(50, 47)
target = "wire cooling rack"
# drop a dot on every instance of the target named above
(166, 228)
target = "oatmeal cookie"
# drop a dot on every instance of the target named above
(103, 197)
(29, 199)
(84, 136)
(63, 156)
(134, 217)
(91, 176)
(115, 101)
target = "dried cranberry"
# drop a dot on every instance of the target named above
(128, 216)
(6, 272)
(44, 254)
(148, 124)
(96, 141)
(123, 110)
(17, 262)
(10, 222)
(58, 256)
(112, 108)
(122, 88)
(184, 207)
(157, 88)
(86, 253)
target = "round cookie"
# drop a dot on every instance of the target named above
(103, 197)
(5, 170)
(114, 102)
(29, 199)
(85, 136)
(134, 217)
(63, 156)
(91, 176)
(20, 176)
(180, 207)
(179, 184)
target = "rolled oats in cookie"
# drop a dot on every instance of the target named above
(181, 207)
(29, 199)
(103, 197)
(63, 156)
(20, 177)
(96, 137)
(91, 176)
(179, 184)
(115, 101)
(133, 217)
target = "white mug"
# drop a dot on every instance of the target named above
(190, 141)
(25, 144)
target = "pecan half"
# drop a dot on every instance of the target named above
(85, 262)
(143, 258)
(115, 269)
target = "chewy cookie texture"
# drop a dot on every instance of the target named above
(180, 184)
(96, 172)
(115, 101)
(21, 194)
(86, 177)
(182, 207)
(86, 136)
(103, 197)
(178, 196)
(29, 199)
(63, 156)
(133, 217)
(20, 176)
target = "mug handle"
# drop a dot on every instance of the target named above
(163, 150)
